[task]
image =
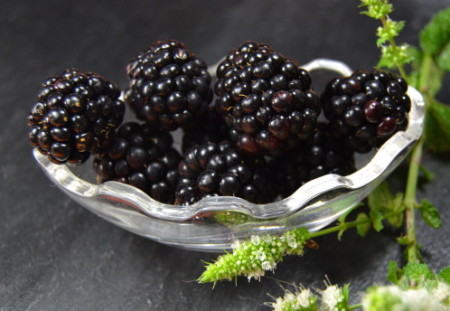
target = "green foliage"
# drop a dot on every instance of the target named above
(377, 9)
(364, 227)
(393, 56)
(389, 206)
(253, 257)
(435, 36)
(444, 275)
(436, 138)
(231, 218)
(390, 30)
(430, 214)
(415, 274)
(393, 272)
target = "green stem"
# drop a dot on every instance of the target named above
(412, 254)
(354, 307)
(345, 226)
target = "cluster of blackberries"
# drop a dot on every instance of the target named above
(258, 139)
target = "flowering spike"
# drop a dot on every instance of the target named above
(251, 258)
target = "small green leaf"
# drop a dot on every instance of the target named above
(443, 59)
(429, 175)
(403, 240)
(444, 275)
(363, 228)
(436, 139)
(441, 113)
(393, 271)
(430, 214)
(381, 199)
(436, 34)
(417, 273)
(390, 30)
(379, 196)
(377, 9)
(392, 56)
(377, 219)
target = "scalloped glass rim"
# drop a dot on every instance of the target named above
(314, 205)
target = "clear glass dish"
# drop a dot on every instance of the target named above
(213, 224)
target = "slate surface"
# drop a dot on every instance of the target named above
(55, 255)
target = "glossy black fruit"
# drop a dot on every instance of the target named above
(213, 169)
(169, 86)
(366, 108)
(75, 116)
(141, 157)
(266, 99)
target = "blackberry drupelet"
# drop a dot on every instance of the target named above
(266, 99)
(141, 157)
(75, 116)
(320, 155)
(169, 85)
(218, 169)
(366, 108)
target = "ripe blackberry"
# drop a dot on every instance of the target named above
(320, 155)
(218, 169)
(75, 115)
(209, 127)
(169, 85)
(143, 158)
(265, 98)
(366, 108)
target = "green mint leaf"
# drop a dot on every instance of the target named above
(403, 240)
(429, 175)
(377, 219)
(379, 196)
(443, 59)
(392, 56)
(436, 34)
(392, 274)
(231, 218)
(430, 214)
(363, 228)
(391, 207)
(417, 273)
(444, 275)
(437, 128)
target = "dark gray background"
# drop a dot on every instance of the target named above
(54, 255)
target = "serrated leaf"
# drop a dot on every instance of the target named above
(379, 196)
(436, 34)
(417, 272)
(392, 274)
(363, 228)
(436, 138)
(430, 214)
(381, 199)
(443, 59)
(444, 275)
(377, 219)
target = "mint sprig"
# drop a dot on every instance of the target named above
(415, 285)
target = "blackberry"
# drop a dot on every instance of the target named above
(266, 99)
(320, 155)
(366, 108)
(169, 85)
(218, 169)
(210, 127)
(75, 115)
(142, 158)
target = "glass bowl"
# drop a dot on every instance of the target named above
(214, 223)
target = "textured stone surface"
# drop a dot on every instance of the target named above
(55, 255)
